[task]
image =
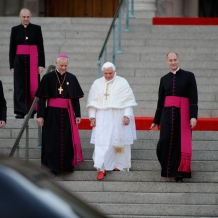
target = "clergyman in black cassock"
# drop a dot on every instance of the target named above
(58, 150)
(27, 60)
(177, 84)
(3, 107)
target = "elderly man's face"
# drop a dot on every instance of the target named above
(62, 66)
(108, 73)
(173, 61)
(25, 17)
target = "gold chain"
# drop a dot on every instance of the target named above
(59, 80)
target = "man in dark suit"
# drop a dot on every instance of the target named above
(27, 61)
(3, 107)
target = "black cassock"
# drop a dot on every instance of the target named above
(182, 84)
(57, 148)
(3, 104)
(31, 35)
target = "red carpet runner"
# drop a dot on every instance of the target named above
(184, 21)
(144, 123)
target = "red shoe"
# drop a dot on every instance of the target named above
(101, 175)
(116, 169)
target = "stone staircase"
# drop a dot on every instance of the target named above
(142, 62)
(140, 192)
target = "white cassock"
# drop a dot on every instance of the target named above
(109, 102)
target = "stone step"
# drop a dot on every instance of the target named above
(160, 72)
(139, 96)
(145, 111)
(137, 176)
(88, 34)
(139, 187)
(144, 106)
(183, 29)
(182, 42)
(55, 21)
(165, 49)
(49, 21)
(149, 198)
(140, 144)
(54, 34)
(135, 154)
(156, 209)
(140, 165)
(201, 81)
(205, 84)
(77, 42)
(15, 124)
(157, 216)
(125, 72)
(83, 42)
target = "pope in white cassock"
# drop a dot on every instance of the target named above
(110, 105)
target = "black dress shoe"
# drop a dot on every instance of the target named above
(179, 179)
(19, 116)
(53, 173)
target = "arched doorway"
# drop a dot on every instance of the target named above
(81, 8)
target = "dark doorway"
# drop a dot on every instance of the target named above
(81, 8)
(208, 8)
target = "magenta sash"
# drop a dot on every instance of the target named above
(186, 139)
(66, 103)
(32, 51)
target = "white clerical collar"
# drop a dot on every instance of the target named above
(108, 81)
(174, 72)
(25, 26)
(60, 73)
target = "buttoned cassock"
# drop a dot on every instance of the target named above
(181, 84)
(20, 35)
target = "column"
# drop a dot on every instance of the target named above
(164, 8)
(33, 6)
(2, 8)
(145, 8)
(191, 8)
(12, 7)
(178, 10)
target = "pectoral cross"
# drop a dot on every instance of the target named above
(60, 90)
(106, 94)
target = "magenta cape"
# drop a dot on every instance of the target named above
(186, 139)
(66, 103)
(32, 51)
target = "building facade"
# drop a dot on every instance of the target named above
(96, 8)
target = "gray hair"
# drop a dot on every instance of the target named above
(62, 59)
